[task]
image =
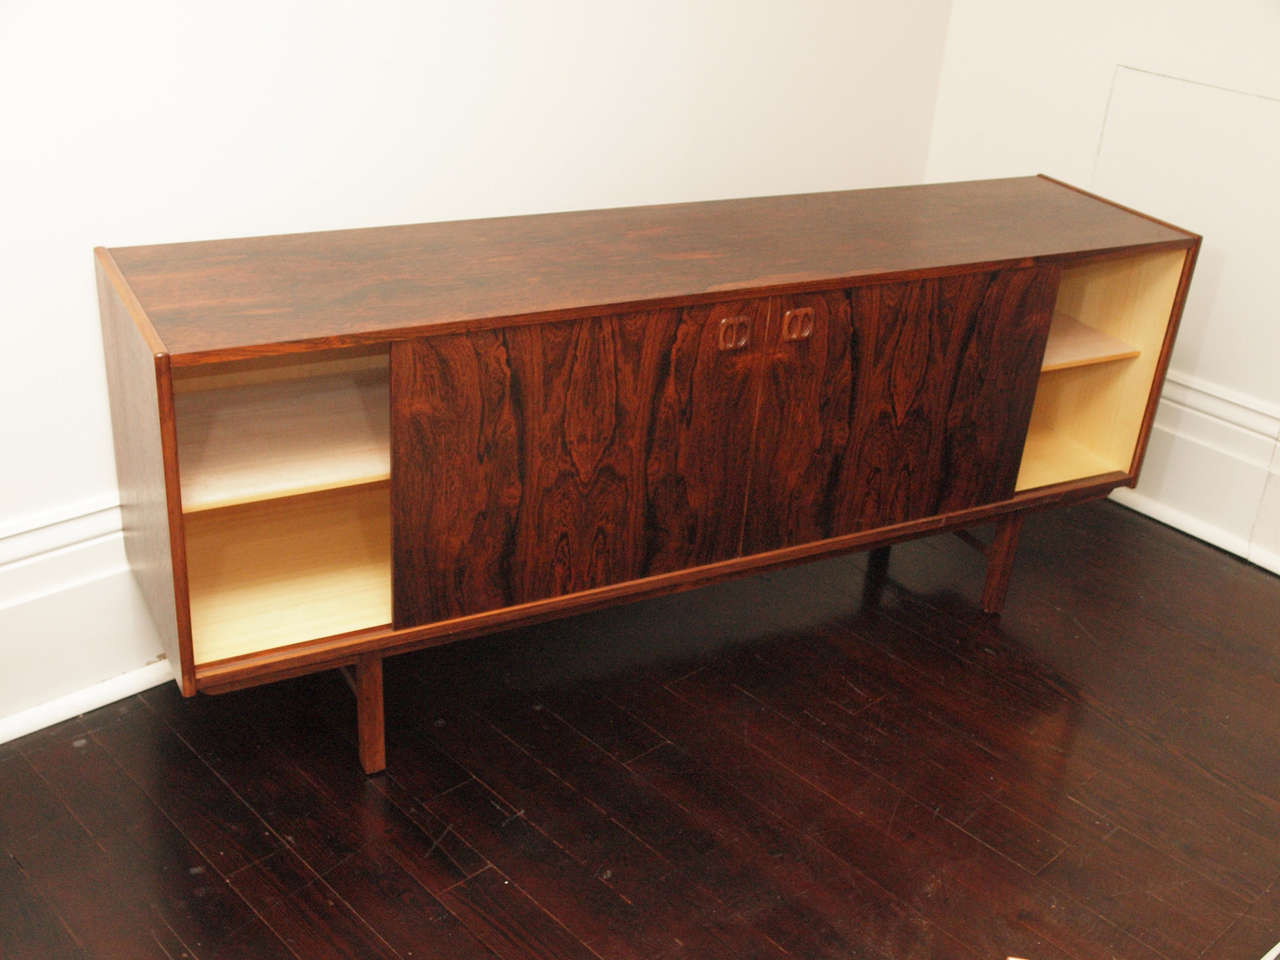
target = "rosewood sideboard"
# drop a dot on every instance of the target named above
(337, 446)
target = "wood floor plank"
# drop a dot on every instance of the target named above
(305, 912)
(1226, 835)
(950, 775)
(41, 838)
(322, 747)
(269, 780)
(521, 781)
(391, 901)
(30, 927)
(1253, 935)
(845, 899)
(1121, 877)
(688, 917)
(1090, 866)
(149, 863)
(810, 812)
(667, 828)
(514, 927)
(611, 729)
(593, 911)
(206, 811)
(928, 865)
(472, 741)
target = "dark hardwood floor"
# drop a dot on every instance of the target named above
(817, 762)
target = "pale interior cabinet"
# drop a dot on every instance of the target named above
(1106, 340)
(334, 447)
(285, 473)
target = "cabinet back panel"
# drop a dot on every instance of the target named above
(537, 461)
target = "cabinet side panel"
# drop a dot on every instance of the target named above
(1162, 364)
(945, 374)
(141, 415)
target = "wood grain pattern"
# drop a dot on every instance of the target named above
(370, 718)
(803, 429)
(915, 407)
(277, 294)
(541, 461)
(141, 399)
(946, 376)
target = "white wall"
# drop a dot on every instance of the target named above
(1172, 107)
(135, 122)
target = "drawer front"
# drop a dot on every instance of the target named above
(537, 461)
(911, 402)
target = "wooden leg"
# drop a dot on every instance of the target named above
(370, 719)
(877, 575)
(1000, 562)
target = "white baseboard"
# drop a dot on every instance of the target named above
(74, 631)
(1186, 522)
(1213, 469)
(83, 700)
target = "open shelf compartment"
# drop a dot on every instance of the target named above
(1095, 382)
(278, 430)
(270, 574)
(285, 467)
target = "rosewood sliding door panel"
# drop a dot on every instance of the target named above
(536, 461)
(945, 376)
(913, 403)
(802, 431)
(699, 455)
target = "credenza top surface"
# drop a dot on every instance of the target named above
(257, 294)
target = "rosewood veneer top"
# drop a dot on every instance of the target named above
(222, 299)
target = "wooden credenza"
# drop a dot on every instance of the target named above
(337, 446)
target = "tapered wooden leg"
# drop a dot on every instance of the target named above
(1000, 562)
(370, 720)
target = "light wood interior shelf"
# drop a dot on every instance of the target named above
(1073, 344)
(284, 430)
(265, 575)
(1053, 458)
(1088, 411)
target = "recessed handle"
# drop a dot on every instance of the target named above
(797, 323)
(735, 332)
